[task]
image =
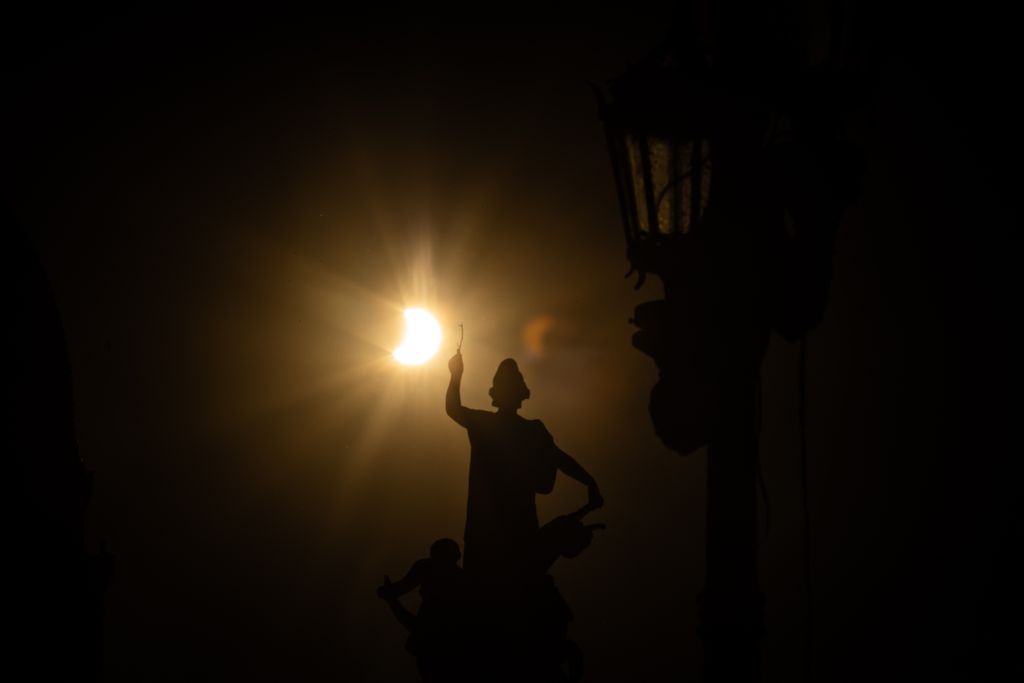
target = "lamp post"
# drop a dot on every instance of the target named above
(731, 179)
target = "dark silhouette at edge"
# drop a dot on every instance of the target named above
(55, 585)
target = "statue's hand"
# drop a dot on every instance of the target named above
(384, 592)
(455, 364)
(595, 500)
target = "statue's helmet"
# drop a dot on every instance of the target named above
(508, 387)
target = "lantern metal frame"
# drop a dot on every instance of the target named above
(658, 121)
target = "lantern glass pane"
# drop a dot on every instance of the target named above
(671, 193)
(693, 182)
(636, 174)
(662, 179)
(685, 187)
(705, 176)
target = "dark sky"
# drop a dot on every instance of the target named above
(232, 211)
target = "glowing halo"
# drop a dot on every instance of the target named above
(422, 338)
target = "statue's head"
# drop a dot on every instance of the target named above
(445, 550)
(508, 390)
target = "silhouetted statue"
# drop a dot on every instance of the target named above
(503, 619)
(512, 460)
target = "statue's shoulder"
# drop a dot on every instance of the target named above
(539, 427)
(478, 418)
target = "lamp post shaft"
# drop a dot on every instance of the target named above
(730, 619)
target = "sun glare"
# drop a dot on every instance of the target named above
(422, 338)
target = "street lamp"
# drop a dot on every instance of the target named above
(731, 181)
(658, 134)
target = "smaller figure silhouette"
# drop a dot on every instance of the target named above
(434, 632)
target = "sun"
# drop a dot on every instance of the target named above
(422, 338)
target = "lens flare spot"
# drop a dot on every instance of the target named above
(537, 334)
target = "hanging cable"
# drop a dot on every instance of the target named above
(802, 408)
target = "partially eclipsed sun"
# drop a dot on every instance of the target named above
(422, 338)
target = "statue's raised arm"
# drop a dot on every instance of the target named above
(453, 397)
